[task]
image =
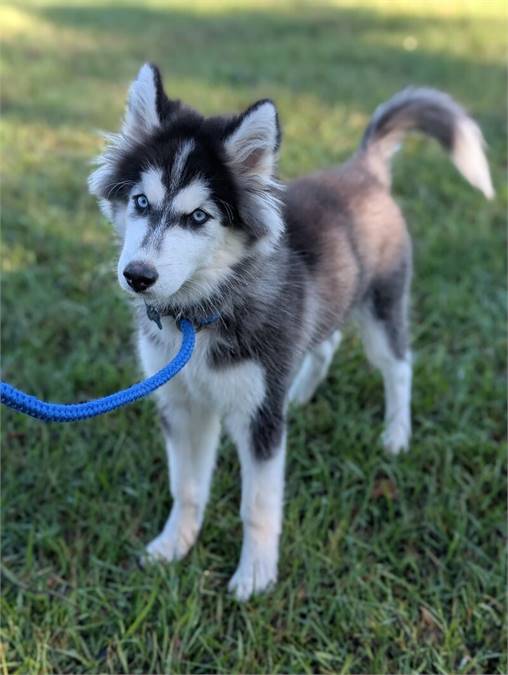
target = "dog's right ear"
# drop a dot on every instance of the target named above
(147, 103)
(147, 109)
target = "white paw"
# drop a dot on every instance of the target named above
(396, 437)
(254, 575)
(175, 541)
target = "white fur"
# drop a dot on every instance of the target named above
(190, 264)
(141, 113)
(239, 388)
(132, 242)
(397, 375)
(251, 147)
(190, 197)
(468, 146)
(198, 259)
(252, 156)
(180, 255)
(261, 512)
(191, 448)
(106, 209)
(153, 187)
(313, 370)
(180, 161)
(140, 119)
(228, 249)
(269, 211)
(196, 401)
(469, 157)
(99, 181)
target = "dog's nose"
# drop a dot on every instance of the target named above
(140, 276)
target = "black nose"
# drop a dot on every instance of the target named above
(140, 276)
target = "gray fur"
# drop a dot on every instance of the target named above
(322, 260)
(427, 110)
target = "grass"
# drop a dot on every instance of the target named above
(387, 565)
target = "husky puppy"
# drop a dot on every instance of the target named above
(207, 230)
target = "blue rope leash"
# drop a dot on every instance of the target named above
(61, 412)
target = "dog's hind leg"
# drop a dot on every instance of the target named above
(383, 324)
(313, 370)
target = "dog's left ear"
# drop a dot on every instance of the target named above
(147, 103)
(252, 140)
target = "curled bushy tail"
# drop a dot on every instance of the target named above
(433, 113)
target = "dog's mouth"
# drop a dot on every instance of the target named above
(156, 295)
(191, 299)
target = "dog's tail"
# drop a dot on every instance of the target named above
(436, 114)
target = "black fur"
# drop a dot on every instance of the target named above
(161, 149)
(388, 297)
(259, 334)
(166, 107)
(233, 123)
(435, 117)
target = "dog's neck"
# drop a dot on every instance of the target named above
(245, 291)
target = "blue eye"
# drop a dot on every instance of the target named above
(141, 202)
(199, 217)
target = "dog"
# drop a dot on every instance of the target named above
(207, 230)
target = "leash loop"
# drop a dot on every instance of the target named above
(70, 412)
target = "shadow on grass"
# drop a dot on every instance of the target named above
(354, 57)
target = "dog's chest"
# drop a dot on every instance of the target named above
(228, 389)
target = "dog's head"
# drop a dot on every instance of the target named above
(191, 197)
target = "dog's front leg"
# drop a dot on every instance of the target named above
(261, 448)
(192, 435)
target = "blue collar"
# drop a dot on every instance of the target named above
(154, 315)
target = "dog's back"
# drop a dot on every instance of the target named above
(344, 222)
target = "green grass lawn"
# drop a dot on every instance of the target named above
(387, 565)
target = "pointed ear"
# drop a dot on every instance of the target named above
(252, 140)
(146, 103)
